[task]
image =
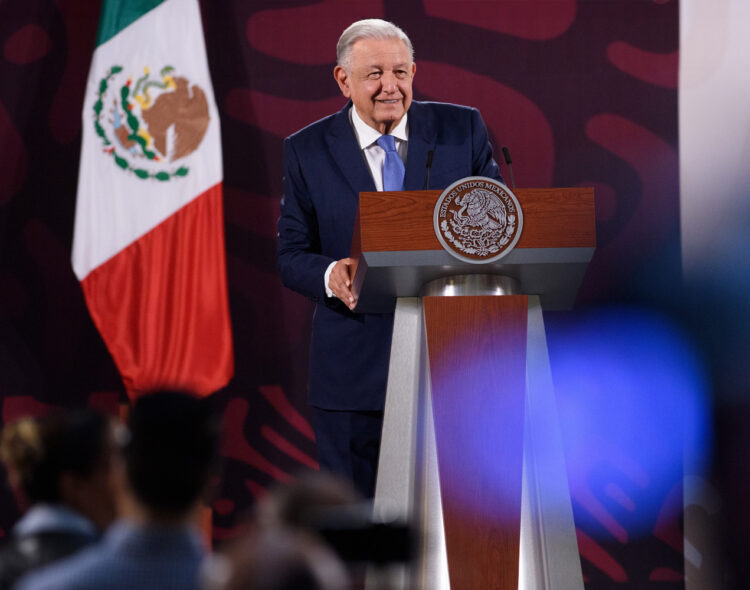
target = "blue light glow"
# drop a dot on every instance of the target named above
(632, 397)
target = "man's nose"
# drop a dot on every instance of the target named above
(388, 80)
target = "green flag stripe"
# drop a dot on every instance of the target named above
(118, 14)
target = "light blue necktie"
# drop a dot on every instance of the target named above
(393, 167)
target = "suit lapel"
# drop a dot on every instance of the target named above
(344, 148)
(421, 140)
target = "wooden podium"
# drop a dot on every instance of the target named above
(471, 453)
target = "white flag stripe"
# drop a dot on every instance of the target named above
(114, 206)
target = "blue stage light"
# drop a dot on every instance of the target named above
(632, 395)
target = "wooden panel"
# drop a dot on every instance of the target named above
(398, 220)
(557, 218)
(553, 218)
(356, 254)
(477, 361)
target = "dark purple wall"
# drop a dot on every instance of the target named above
(583, 93)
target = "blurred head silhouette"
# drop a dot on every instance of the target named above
(62, 459)
(279, 558)
(171, 456)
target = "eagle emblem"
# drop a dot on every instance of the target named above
(147, 123)
(478, 219)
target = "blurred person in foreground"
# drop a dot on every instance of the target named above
(278, 558)
(59, 469)
(282, 548)
(300, 504)
(329, 509)
(169, 462)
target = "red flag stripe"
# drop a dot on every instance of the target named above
(161, 304)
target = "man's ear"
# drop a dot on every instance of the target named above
(342, 78)
(413, 69)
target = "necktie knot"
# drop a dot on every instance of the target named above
(387, 142)
(393, 166)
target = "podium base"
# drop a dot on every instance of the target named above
(490, 500)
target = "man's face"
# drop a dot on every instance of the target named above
(378, 81)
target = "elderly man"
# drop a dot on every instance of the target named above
(380, 140)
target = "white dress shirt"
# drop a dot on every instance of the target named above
(374, 155)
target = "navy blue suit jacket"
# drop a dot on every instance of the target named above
(324, 172)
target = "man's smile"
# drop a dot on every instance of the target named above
(378, 80)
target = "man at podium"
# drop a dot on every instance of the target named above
(380, 140)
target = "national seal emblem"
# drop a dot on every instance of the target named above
(148, 123)
(478, 219)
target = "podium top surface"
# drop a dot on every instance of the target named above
(553, 218)
(396, 250)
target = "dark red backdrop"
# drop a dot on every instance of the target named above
(583, 93)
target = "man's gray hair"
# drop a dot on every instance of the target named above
(369, 28)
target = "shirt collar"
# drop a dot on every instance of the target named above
(53, 517)
(366, 135)
(125, 532)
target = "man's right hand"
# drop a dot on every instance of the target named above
(340, 282)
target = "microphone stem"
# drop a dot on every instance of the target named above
(430, 155)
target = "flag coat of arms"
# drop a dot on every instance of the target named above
(148, 243)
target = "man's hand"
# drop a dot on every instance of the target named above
(340, 282)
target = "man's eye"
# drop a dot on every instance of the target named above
(373, 75)
(401, 74)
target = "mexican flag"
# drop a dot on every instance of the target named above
(148, 244)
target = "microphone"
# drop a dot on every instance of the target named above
(430, 154)
(509, 162)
